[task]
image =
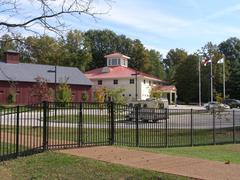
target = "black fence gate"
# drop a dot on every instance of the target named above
(78, 124)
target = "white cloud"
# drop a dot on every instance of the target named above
(149, 20)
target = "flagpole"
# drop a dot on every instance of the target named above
(199, 82)
(224, 92)
(211, 81)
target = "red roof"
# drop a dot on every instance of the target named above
(116, 72)
(167, 88)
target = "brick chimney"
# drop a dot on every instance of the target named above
(11, 57)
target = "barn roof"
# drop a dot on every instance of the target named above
(24, 72)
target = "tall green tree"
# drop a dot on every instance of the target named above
(102, 42)
(231, 49)
(76, 51)
(186, 78)
(173, 59)
(211, 51)
(43, 50)
(156, 65)
(139, 57)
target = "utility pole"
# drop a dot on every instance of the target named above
(211, 80)
(224, 91)
(136, 84)
(199, 82)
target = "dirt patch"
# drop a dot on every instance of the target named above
(5, 174)
(30, 141)
(189, 167)
(235, 148)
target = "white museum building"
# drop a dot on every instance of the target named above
(136, 84)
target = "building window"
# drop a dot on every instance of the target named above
(130, 95)
(150, 82)
(131, 81)
(144, 81)
(114, 62)
(119, 62)
(123, 95)
(115, 81)
(99, 82)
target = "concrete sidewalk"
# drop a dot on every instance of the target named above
(189, 167)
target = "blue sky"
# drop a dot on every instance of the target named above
(163, 25)
(166, 24)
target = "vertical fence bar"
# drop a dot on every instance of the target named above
(191, 127)
(45, 109)
(214, 128)
(17, 132)
(80, 124)
(137, 128)
(234, 128)
(166, 127)
(112, 122)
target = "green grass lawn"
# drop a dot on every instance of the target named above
(147, 137)
(52, 165)
(99, 119)
(222, 153)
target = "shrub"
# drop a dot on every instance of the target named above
(156, 94)
(64, 94)
(116, 95)
(11, 98)
(41, 90)
(100, 94)
(84, 96)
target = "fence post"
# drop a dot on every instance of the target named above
(214, 128)
(45, 110)
(166, 127)
(191, 127)
(17, 132)
(137, 130)
(234, 128)
(80, 124)
(112, 122)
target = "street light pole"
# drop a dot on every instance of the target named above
(55, 81)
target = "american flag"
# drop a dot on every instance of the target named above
(206, 61)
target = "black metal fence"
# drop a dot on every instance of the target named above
(30, 129)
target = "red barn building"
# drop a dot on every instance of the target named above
(24, 76)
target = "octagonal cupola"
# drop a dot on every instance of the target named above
(117, 59)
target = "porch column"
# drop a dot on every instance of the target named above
(170, 97)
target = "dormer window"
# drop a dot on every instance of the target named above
(114, 62)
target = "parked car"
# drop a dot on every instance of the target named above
(216, 105)
(233, 103)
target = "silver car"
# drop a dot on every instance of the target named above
(216, 105)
